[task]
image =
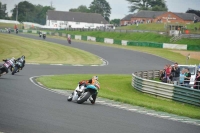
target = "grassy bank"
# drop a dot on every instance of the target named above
(43, 52)
(118, 87)
(143, 37)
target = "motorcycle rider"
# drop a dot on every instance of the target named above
(16, 30)
(9, 63)
(93, 81)
(21, 60)
(69, 38)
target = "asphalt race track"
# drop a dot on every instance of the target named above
(26, 108)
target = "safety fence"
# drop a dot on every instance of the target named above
(120, 42)
(141, 82)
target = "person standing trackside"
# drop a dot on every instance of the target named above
(187, 77)
(197, 81)
(176, 73)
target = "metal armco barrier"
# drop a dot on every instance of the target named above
(169, 91)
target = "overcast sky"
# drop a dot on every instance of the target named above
(119, 7)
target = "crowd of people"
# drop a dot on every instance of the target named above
(172, 74)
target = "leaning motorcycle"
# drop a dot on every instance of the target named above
(88, 92)
(77, 93)
(17, 66)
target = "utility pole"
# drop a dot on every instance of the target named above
(16, 12)
(51, 4)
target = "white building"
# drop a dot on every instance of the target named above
(61, 19)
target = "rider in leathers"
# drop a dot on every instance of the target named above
(9, 64)
(22, 60)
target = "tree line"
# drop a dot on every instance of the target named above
(37, 13)
(27, 12)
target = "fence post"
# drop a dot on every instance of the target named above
(153, 74)
(142, 74)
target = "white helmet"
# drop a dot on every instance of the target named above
(95, 77)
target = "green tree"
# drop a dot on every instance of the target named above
(41, 14)
(155, 5)
(81, 8)
(25, 11)
(3, 13)
(115, 22)
(102, 7)
(158, 5)
(28, 12)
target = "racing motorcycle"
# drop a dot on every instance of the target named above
(77, 93)
(69, 40)
(16, 68)
(40, 34)
(2, 70)
(44, 36)
(16, 31)
(88, 92)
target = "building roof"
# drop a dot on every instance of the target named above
(148, 14)
(128, 17)
(187, 16)
(76, 16)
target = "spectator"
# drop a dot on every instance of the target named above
(175, 73)
(163, 77)
(197, 81)
(182, 76)
(168, 73)
(187, 77)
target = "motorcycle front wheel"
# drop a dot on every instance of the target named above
(15, 70)
(83, 97)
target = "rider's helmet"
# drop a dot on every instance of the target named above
(95, 77)
(23, 56)
(12, 59)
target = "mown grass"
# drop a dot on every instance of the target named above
(143, 37)
(118, 88)
(37, 51)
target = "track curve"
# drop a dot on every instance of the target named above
(25, 107)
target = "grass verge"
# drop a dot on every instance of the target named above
(143, 37)
(37, 51)
(118, 88)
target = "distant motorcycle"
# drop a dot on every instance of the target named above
(40, 34)
(44, 36)
(69, 40)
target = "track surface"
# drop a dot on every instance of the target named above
(26, 108)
